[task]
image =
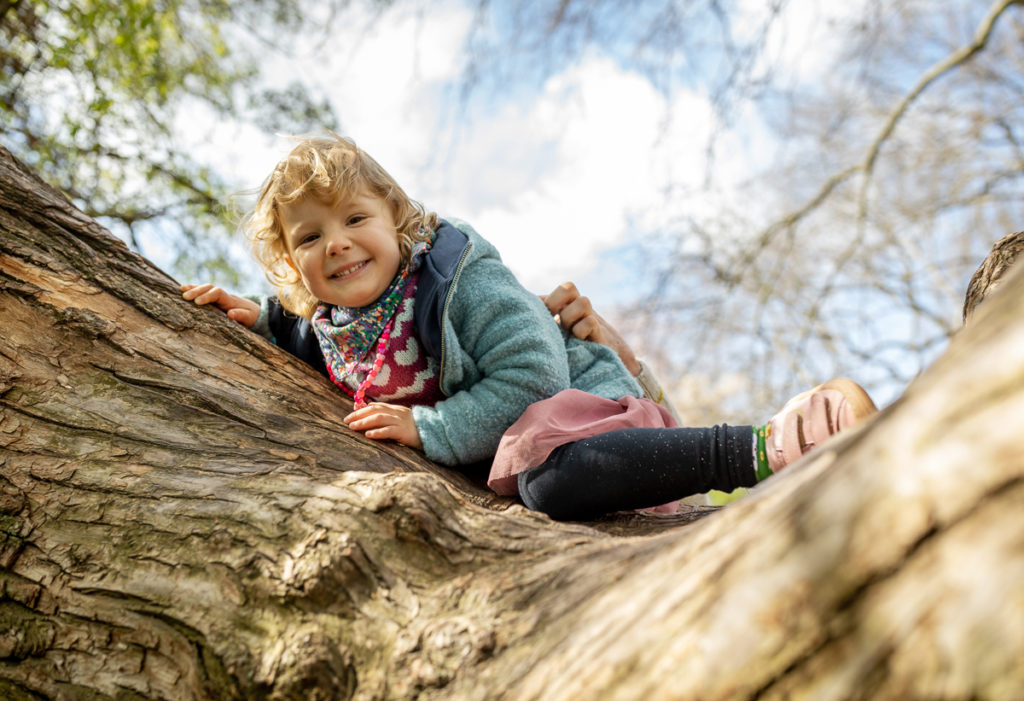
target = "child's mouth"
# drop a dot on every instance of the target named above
(350, 270)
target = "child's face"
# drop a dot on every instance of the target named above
(346, 255)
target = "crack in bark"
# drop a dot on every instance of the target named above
(116, 594)
(199, 402)
(122, 437)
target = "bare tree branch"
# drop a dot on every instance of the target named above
(958, 57)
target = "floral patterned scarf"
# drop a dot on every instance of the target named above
(347, 334)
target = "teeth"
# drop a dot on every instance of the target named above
(346, 271)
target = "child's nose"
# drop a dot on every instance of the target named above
(336, 244)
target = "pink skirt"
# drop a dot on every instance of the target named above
(567, 417)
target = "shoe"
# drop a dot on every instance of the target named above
(812, 417)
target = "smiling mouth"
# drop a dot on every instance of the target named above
(345, 272)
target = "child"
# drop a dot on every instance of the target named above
(441, 349)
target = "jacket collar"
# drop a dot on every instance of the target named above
(439, 273)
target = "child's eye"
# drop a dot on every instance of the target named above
(309, 238)
(355, 219)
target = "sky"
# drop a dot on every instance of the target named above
(559, 176)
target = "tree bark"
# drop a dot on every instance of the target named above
(184, 516)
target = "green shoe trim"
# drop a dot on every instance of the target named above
(763, 470)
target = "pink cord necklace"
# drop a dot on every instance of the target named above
(394, 299)
(359, 396)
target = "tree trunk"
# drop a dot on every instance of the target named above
(183, 515)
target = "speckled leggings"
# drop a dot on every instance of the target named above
(634, 468)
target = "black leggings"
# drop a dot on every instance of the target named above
(633, 468)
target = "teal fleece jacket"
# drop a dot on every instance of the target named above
(499, 349)
(500, 352)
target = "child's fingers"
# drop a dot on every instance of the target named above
(370, 416)
(211, 296)
(560, 297)
(377, 415)
(359, 414)
(588, 329)
(192, 291)
(575, 312)
(245, 317)
(374, 420)
(383, 433)
(403, 431)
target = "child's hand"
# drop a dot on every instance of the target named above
(575, 313)
(239, 309)
(383, 421)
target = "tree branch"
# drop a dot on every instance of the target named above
(958, 57)
(936, 71)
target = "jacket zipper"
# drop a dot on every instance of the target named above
(444, 311)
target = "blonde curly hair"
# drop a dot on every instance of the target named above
(330, 169)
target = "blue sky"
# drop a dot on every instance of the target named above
(556, 174)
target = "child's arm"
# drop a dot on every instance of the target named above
(239, 309)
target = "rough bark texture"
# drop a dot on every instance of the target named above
(987, 277)
(182, 515)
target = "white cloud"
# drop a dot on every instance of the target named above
(553, 182)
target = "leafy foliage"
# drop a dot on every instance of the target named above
(94, 96)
